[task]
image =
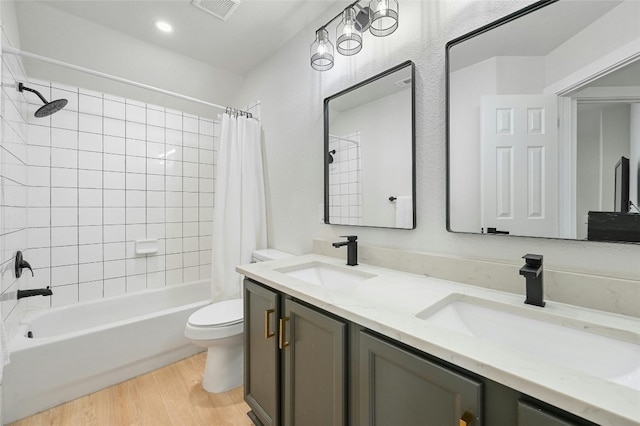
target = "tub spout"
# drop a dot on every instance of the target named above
(35, 292)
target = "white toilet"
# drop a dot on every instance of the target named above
(219, 327)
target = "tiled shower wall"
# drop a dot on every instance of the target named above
(345, 203)
(13, 188)
(105, 172)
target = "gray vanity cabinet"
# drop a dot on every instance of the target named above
(530, 415)
(261, 353)
(295, 361)
(398, 387)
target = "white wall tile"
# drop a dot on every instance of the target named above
(90, 104)
(114, 269)
(136, 165)
(174, 277)
(90, 160)
(114, 251)
(66, 158)
(91, 291)
(114, 216)
(114, 162)
(90, 216)
(39, 135)
(156, 280)
(90, 123)
(89, 235)
(90, 141)
(114, 127)
(90, 197)
(114, 180)
(64, 197)
(64, 216)
(61, 138)
(114, 233)
(90, 272)
(65, 119)
(114, 145)
(62, 275)
(135, 113)
(114, 109)
(136, 283)
(191, 274)
(136, 232)
(66, 255)
(114, 197)
(115, 287)
(64, 295)
(89, 179)
(135, 131)
(64, 236)
(136, 180)
(90, 253)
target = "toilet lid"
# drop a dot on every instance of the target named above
(218, 314)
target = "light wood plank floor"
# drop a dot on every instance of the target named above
(171, 395)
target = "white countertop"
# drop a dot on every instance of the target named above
(389, 302)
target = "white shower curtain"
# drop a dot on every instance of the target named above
(239, 212)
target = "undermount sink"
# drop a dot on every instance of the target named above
(326, 275)
(558, 340)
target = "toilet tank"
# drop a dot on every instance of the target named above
(265, 255)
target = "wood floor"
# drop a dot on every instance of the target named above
(171, 395)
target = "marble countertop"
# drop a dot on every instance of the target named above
(388, 304)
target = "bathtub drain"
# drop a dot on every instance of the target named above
(30, 335)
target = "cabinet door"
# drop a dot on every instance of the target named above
(261, 356)
(400, 388)
(314, 347)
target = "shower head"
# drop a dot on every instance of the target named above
(49, 107)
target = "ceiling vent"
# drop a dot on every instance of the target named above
(404, 82)
(221, 9)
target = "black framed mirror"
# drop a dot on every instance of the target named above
(369, 145)
(541, 105)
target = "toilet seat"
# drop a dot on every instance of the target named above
(219, 314)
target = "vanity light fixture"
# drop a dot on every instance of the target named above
(322, 51)
(380, 17)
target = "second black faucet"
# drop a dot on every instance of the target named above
(352, 248)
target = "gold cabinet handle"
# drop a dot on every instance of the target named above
(267, 326)
(283, 343)
(466, 419)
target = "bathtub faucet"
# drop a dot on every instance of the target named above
(35, 292)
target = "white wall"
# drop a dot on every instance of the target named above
(292, 93)
(634, 158)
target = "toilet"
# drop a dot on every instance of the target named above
(218, 327)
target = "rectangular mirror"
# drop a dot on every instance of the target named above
(369, 145)
(541, 107)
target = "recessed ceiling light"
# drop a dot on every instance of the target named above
(163, 26)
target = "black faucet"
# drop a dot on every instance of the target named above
(35, 292)
(352, 248)
(532, 271)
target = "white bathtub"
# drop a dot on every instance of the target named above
(79, 349)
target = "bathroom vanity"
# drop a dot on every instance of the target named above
(327, 343)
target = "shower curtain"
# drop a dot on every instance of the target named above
(239, 212)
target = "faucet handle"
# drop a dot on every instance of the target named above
(533, 259)
(350, 238)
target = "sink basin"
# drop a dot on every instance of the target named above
(326, 275)
(551, 339)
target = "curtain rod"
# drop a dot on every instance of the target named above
(13, 51)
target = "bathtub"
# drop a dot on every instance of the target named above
(81, 348)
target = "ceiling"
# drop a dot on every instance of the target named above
(253, 32)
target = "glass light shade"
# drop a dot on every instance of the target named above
(348, 38)
(383, 17)
(322, 51)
